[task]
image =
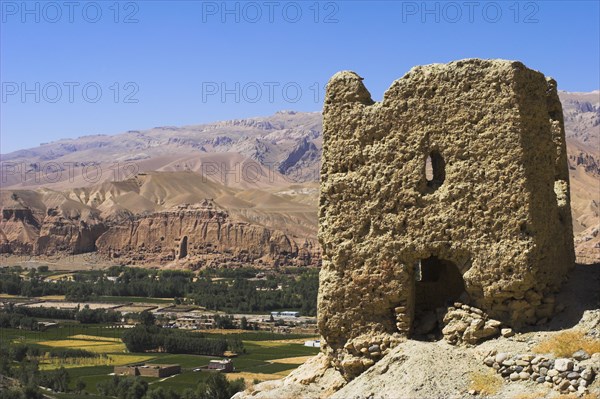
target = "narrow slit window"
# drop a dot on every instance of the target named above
(435, 170)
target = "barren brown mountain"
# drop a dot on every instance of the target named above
(582, 127)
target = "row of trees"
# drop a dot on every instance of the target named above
(16, 320)
(237, 293)
(144, 338)
(243, 295)
(21, 352)
(25, 317)
(64, 353)
(19, 363)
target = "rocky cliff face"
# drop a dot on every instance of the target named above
(590, 163)
(66, 235)
(19, 230)
(27, 230)
(200, 235)
(582, 115)
(582, 128)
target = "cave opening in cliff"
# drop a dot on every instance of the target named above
(438, 284)
(183, 247)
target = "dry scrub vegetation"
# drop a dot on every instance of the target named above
(540, 394)
(586, 396)
(566, 343)
(486, 382)
(531, 395)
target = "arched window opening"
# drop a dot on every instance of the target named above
(435, 170)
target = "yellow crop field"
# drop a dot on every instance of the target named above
(71, 362)
(109, 360)
(53, 297)
(291, 360)
(108, 348)
(94, 338)
(92, 346)
(70, 343)
(119, 360)
(249, 377)
(284, 373)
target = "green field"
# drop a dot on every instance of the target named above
(133, 299)
(91, 376)
(187, 379)
(258, 356)
(66, 330)
(260, 336)
(262, 349)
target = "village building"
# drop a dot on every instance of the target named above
(149, 370)
(224, 366)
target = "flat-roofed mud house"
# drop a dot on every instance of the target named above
(224, 365)
(488, 221)
(149, 370)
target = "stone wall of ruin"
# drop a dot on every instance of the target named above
(501, 215)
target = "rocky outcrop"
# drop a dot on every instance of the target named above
(27, 231)
(582, 115)
(50, 223)
(305, 153)
(60, 234)
(589, 163)
(490, 220)
(202, 235)
(19, 230)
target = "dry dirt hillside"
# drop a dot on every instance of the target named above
(263, 173)
(582, 127)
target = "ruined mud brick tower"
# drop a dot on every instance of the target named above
(489, 221)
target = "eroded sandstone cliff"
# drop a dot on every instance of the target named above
(50, 223)
(200, 235)
(30, 226)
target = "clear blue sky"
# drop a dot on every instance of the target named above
(175, 58)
